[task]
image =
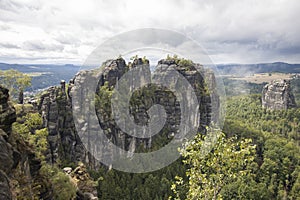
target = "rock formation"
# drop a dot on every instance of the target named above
(277, 95)
(56, 107)
(86, 187)
(56, 110)
(7, 117)
(20, 168)
(7, 112)
(14, 165)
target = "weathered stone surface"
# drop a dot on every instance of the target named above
(6, 153)
(194, 74)
(86, 186)
(5, 193)
(7, 117)
(12, 162)
(7, 112)
(277, 95)
(56, 108)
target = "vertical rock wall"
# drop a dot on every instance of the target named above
(277, 95)
(55, 106)
(16, 156)
(7, 117)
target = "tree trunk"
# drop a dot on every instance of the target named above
(21, 97)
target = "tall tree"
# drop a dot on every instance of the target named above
(16, 82)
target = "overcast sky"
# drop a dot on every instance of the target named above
(231, 31)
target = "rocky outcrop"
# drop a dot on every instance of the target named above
(7, 117)
(56, 106)
(6, 161)
(7, 112)
(21, 172)
(86, 187)
(277, 95)
(56, 110)
(17, 170)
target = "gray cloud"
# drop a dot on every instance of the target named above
(67, 39)
(9, 5)
(36, 45)
(230, 31)
(290, 50)
(4, 27)
(9, 46)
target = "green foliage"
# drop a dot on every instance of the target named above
(39, 141)
(62, 186)
(103, 101)
(181, 61)
(241, 87)
(272, 173)
(15, 81)
(49, 179)
(134, 57)
(145, 60)
(23, 109)
(295, 191)
(229, 161)
(185, 62)
(174, 57)
(276, 134)
(29, 127)
(156, 185)
(247, 110)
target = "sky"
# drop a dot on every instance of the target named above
(231, 31)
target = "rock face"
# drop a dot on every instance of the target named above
(57, 103)
(277, 95)
(56, 110)
(6, 160)
(86, 186)
(19, 168)
(7, 112)
(20, 174)
(7, 117)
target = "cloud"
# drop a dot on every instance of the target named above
(230, 31)
(37, 45)
(67, 39)
(9, 46)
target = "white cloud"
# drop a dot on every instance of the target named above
(231, 31)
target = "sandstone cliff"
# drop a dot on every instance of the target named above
(56, 107)
(23, 174)
(19, 164)
(277, 95)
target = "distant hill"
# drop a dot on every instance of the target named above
(248, 69)
(46, 75)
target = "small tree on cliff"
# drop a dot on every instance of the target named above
(16, 82)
